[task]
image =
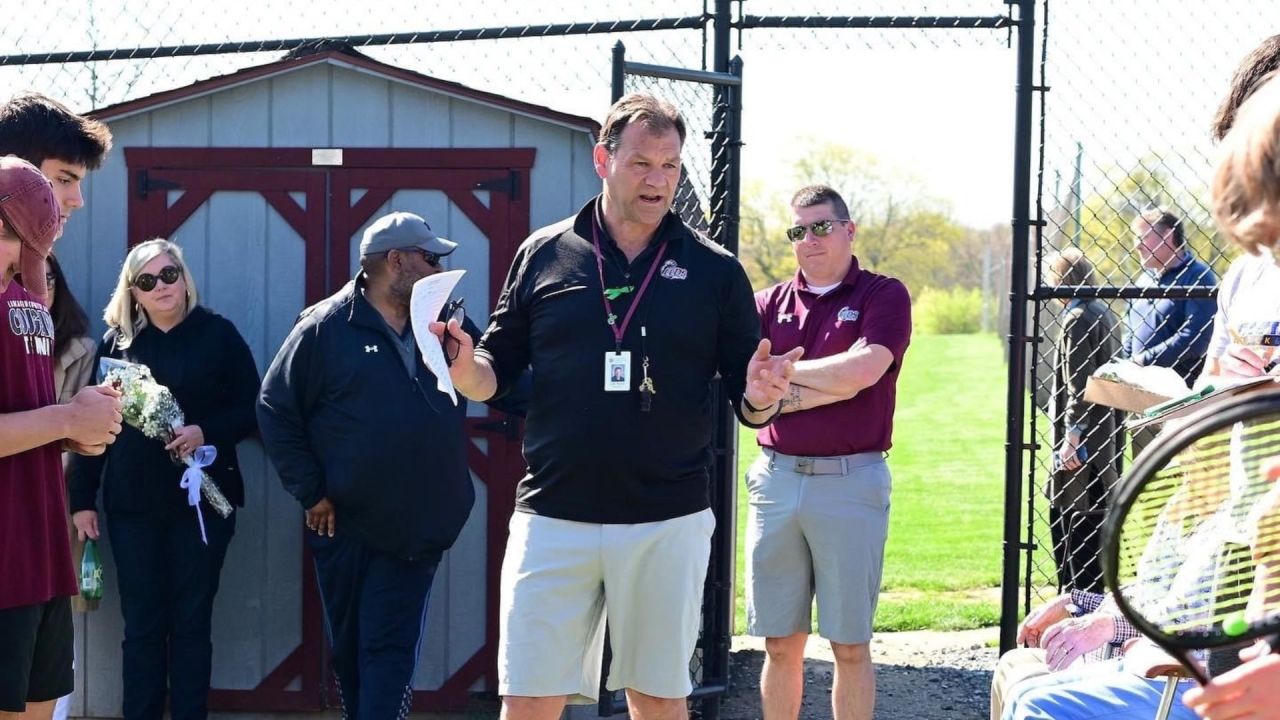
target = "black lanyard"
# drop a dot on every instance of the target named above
(620, 330)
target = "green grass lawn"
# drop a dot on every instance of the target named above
(942, 562)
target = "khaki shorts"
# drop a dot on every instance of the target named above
(816, 527)
(562, 579)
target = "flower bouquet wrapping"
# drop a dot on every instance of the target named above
(151, 408)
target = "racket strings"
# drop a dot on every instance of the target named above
(1200, 533)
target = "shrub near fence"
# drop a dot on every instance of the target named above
(954, 311)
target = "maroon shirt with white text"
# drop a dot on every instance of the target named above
(35, 551)
(864, 305)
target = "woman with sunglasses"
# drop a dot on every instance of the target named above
(166, 575)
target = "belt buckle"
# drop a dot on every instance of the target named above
(804, 465)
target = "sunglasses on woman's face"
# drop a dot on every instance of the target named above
(146, 282)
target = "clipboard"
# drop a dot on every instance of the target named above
(1202, 398)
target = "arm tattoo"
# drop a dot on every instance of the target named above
(792, 399)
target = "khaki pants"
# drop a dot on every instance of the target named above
(1014, 666)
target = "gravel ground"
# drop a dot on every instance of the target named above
(919, 675)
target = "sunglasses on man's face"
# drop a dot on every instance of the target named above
(822, 228)
(146, 282)
(432, 259)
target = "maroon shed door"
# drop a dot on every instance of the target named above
(267, 232)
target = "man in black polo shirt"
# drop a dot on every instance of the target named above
(613, 516)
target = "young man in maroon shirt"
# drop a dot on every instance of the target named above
(820, 492)
(36, 577)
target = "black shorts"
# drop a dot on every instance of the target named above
(35, 654)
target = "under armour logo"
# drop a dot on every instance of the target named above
(370, 348)
(786, 317)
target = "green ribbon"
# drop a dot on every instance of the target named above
(615, 293)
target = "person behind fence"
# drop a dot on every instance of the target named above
(168, 559)
(377, 457)
(613, 518)
(819, 493)
(36, 576)
(1084, 434)
(1169, 332)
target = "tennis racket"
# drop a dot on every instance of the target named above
(1191, 547)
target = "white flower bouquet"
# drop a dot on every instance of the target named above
(151, 408)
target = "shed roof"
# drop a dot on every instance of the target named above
(351, 60)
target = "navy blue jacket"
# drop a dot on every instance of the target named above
(342, 419)
(1173, 332)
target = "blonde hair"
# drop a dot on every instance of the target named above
(1068, 267)
(1246, 183)
(122, 313)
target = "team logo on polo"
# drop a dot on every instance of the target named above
(671, 271)
(847, 315)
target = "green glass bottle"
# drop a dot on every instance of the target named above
(91, 572)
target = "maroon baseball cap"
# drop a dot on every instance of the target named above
(29, 211)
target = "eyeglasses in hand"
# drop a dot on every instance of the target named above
(453, 311)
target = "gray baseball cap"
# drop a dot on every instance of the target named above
(401, 230)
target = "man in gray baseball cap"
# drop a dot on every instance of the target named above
(378, 464)
(404, 231)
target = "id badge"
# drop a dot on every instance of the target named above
(617, 371)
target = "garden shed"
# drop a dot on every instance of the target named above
(267, 177)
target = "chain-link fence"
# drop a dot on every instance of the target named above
(1121, 128)
(1125, 259)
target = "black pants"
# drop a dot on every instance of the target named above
(375, 608)
(167, 579)
(1077, 548)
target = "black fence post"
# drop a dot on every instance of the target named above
(1017, 368)
(619, 74)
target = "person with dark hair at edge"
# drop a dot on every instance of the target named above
(36, 576)
(66, 147)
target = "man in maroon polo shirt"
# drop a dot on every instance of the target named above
(820, 491)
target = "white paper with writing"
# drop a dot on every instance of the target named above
(429, 296)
